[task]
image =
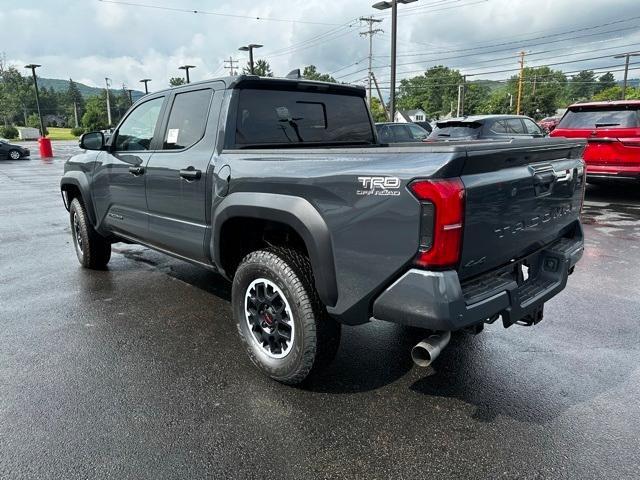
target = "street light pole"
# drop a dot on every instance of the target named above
(146, 87)
(107, 81)
(249, 48)
(186, 69)
(32, 67)
(626, 56)
(393, 4)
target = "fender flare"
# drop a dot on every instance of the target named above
(80, 181)
(298, 214)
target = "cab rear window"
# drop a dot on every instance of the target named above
(295, 118)
(608, 117)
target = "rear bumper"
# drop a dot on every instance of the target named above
(438, 301)
(613, 171)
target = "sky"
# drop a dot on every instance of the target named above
(88, 40)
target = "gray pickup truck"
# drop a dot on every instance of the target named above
(282, 186)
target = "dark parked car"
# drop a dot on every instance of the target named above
(486, 127)
(401, 133)
(12, 151)
(281, 186)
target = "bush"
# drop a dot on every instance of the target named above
(9, 132)
(77, 131)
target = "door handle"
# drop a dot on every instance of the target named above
(136, 171)
(191, 174)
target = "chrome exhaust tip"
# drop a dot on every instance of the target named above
(425, 352)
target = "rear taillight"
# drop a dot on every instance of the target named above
(442, 215)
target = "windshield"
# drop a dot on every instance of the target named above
(446, 130)
(612, 117)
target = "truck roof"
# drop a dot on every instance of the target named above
(274, 82)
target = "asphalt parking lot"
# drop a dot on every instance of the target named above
(137, 372)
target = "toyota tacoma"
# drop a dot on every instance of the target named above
(282, 186)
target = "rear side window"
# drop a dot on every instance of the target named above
(511, 126)
(602, 117)
(446, 130)
(187, 119)
(277, 118)
(402, 133)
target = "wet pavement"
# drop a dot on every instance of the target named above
(137, 372)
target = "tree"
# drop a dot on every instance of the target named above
(475, 97)
(582, 86)
(544, 91)
(75, 102)
(377, 112)
(435, 91)
(605, 81)
(95, 115)
(176, 81)
(18, 96)
(260, 68)
(310, 72)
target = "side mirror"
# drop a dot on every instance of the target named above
(92, 141)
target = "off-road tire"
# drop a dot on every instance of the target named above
(316, 335)
(92, 249)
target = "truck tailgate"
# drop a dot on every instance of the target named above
(518, 200)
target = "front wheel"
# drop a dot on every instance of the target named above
(282, 323)
(92, 249)
(14, 154)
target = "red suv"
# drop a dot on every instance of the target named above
(613, 132)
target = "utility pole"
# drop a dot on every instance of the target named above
(130, 96)
(107, 81)
(626, 57)
(535, 81)
(146, 87)
(461, 92)
(75, 114)
(370, 33)
(32, 67)
(231, 67)
(393, 5)
(384, 107)
(519, 102)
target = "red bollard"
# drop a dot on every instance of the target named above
(45, 147)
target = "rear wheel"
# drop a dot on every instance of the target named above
(14, 154)
(92, 249)
(282, 323)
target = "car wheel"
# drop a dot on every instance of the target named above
(92, 249)
(14, 154)
(281, 321)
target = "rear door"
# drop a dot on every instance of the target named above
(177, 189)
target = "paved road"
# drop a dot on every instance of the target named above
(136, 372)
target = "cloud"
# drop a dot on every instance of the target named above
(91, 40)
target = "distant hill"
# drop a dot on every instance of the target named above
(59, 85)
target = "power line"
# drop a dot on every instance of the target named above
(219, 14)
(438, 59)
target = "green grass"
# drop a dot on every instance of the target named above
(56, 133)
